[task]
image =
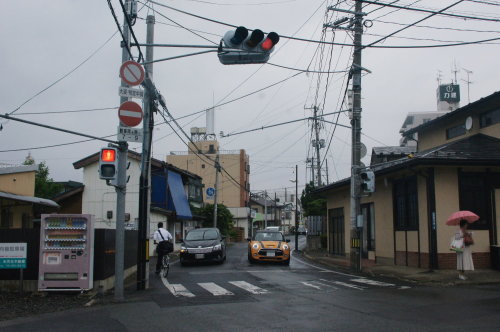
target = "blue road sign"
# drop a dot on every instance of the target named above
(210, 192)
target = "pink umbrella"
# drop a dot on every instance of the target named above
(455, 218)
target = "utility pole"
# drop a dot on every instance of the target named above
(327, 180)
(265, 209)
(144, 187)
(469, 82)
(276, 211)
(121, 184)
(217, 169)
(316, 144)
(296, 208)
(356, 229)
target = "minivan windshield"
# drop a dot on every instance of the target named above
(202, 234)
(269, 236)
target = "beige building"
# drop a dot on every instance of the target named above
(456, 166)
(233, 183)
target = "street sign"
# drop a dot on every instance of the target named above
(129, 134)
(132, 73)
(13, 255)
(130, 93)
(130, 113)
(210, 193)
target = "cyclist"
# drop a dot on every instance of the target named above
(162, 237)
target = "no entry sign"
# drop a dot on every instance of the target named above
(130, 113)
(132, 73)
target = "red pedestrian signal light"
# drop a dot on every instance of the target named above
(238, 47)
(108, 155)
(108, 164)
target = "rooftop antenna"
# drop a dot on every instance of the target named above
(468, 81)
(454, 71)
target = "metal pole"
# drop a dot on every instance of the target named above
(121, 183)
(318, 159)
(296, 208)
(216, 188)
(327, 180)
(120, 189)
(277, 223)
(356, 232)
(144, 187)
(265, 209)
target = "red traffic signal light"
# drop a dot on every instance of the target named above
(108, 155)
(271, 40)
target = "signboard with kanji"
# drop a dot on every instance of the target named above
(449, 93)
(13, 255)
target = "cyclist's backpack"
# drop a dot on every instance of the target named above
(164, 247)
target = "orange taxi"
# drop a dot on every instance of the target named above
(268, 245)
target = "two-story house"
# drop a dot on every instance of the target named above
(456, 166)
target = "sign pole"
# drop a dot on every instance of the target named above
(121, 182)
(21, 281)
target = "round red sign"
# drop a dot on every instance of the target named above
(130, 113)
(132, 73)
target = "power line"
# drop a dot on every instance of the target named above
(434, 12)
(438, 28)
(75, 111)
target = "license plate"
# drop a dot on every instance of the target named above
(199, 256)
(270, 254)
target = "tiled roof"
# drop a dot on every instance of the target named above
(388, 150)
(474, 150)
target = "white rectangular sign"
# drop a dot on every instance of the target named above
(129, 134)
(130, 93)
(13, 255)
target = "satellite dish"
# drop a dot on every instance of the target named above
(468, 123)
(362, 165)
(363, 150)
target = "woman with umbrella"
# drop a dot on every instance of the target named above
(463, 241)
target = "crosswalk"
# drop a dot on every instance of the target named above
(241, 286)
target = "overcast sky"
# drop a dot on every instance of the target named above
(45, 40)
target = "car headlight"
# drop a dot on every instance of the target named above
(286, 247)
(218, 247)
(255, 246)
(183, 249)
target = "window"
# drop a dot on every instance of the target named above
(455, 131)
(489, 118)
(405, 204)
(202, 165)
(474, 196)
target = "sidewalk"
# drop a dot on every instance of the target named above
(411, 274)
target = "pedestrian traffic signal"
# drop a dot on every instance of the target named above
(367, 181)
(237, 47)
(108, 164)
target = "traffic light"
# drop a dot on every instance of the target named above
(243, 48)
(367, 181)
(108, 164)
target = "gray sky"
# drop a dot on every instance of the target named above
(44, 40)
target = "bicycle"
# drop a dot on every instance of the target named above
(165, 265)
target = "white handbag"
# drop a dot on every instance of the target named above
(457, 245)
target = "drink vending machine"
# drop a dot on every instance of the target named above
(66, 252)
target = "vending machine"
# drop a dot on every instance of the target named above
(66, 252)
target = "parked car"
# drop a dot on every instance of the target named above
(203, 244)
(268, 245)
(302, 230)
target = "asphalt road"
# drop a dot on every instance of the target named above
(239, 296)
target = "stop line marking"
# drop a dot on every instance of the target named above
(249, 287)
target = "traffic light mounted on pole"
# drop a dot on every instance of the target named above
(108, 164)
(367, 181)
(237, 47)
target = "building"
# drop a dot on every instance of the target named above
(173, 193)
(234, 179)
(448, 99)
(456, 166)
(19, 208)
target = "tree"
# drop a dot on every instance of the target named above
(45, 187)
(312, 205)
(224, 217)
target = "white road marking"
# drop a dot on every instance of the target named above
(404, 287)
(324, 270)
(249, 287)
(310, 285)
(214, 288)
(345, 284)
(372, 282)
(176, 289)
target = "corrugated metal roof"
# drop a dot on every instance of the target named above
(29, 199)
(18, 169)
